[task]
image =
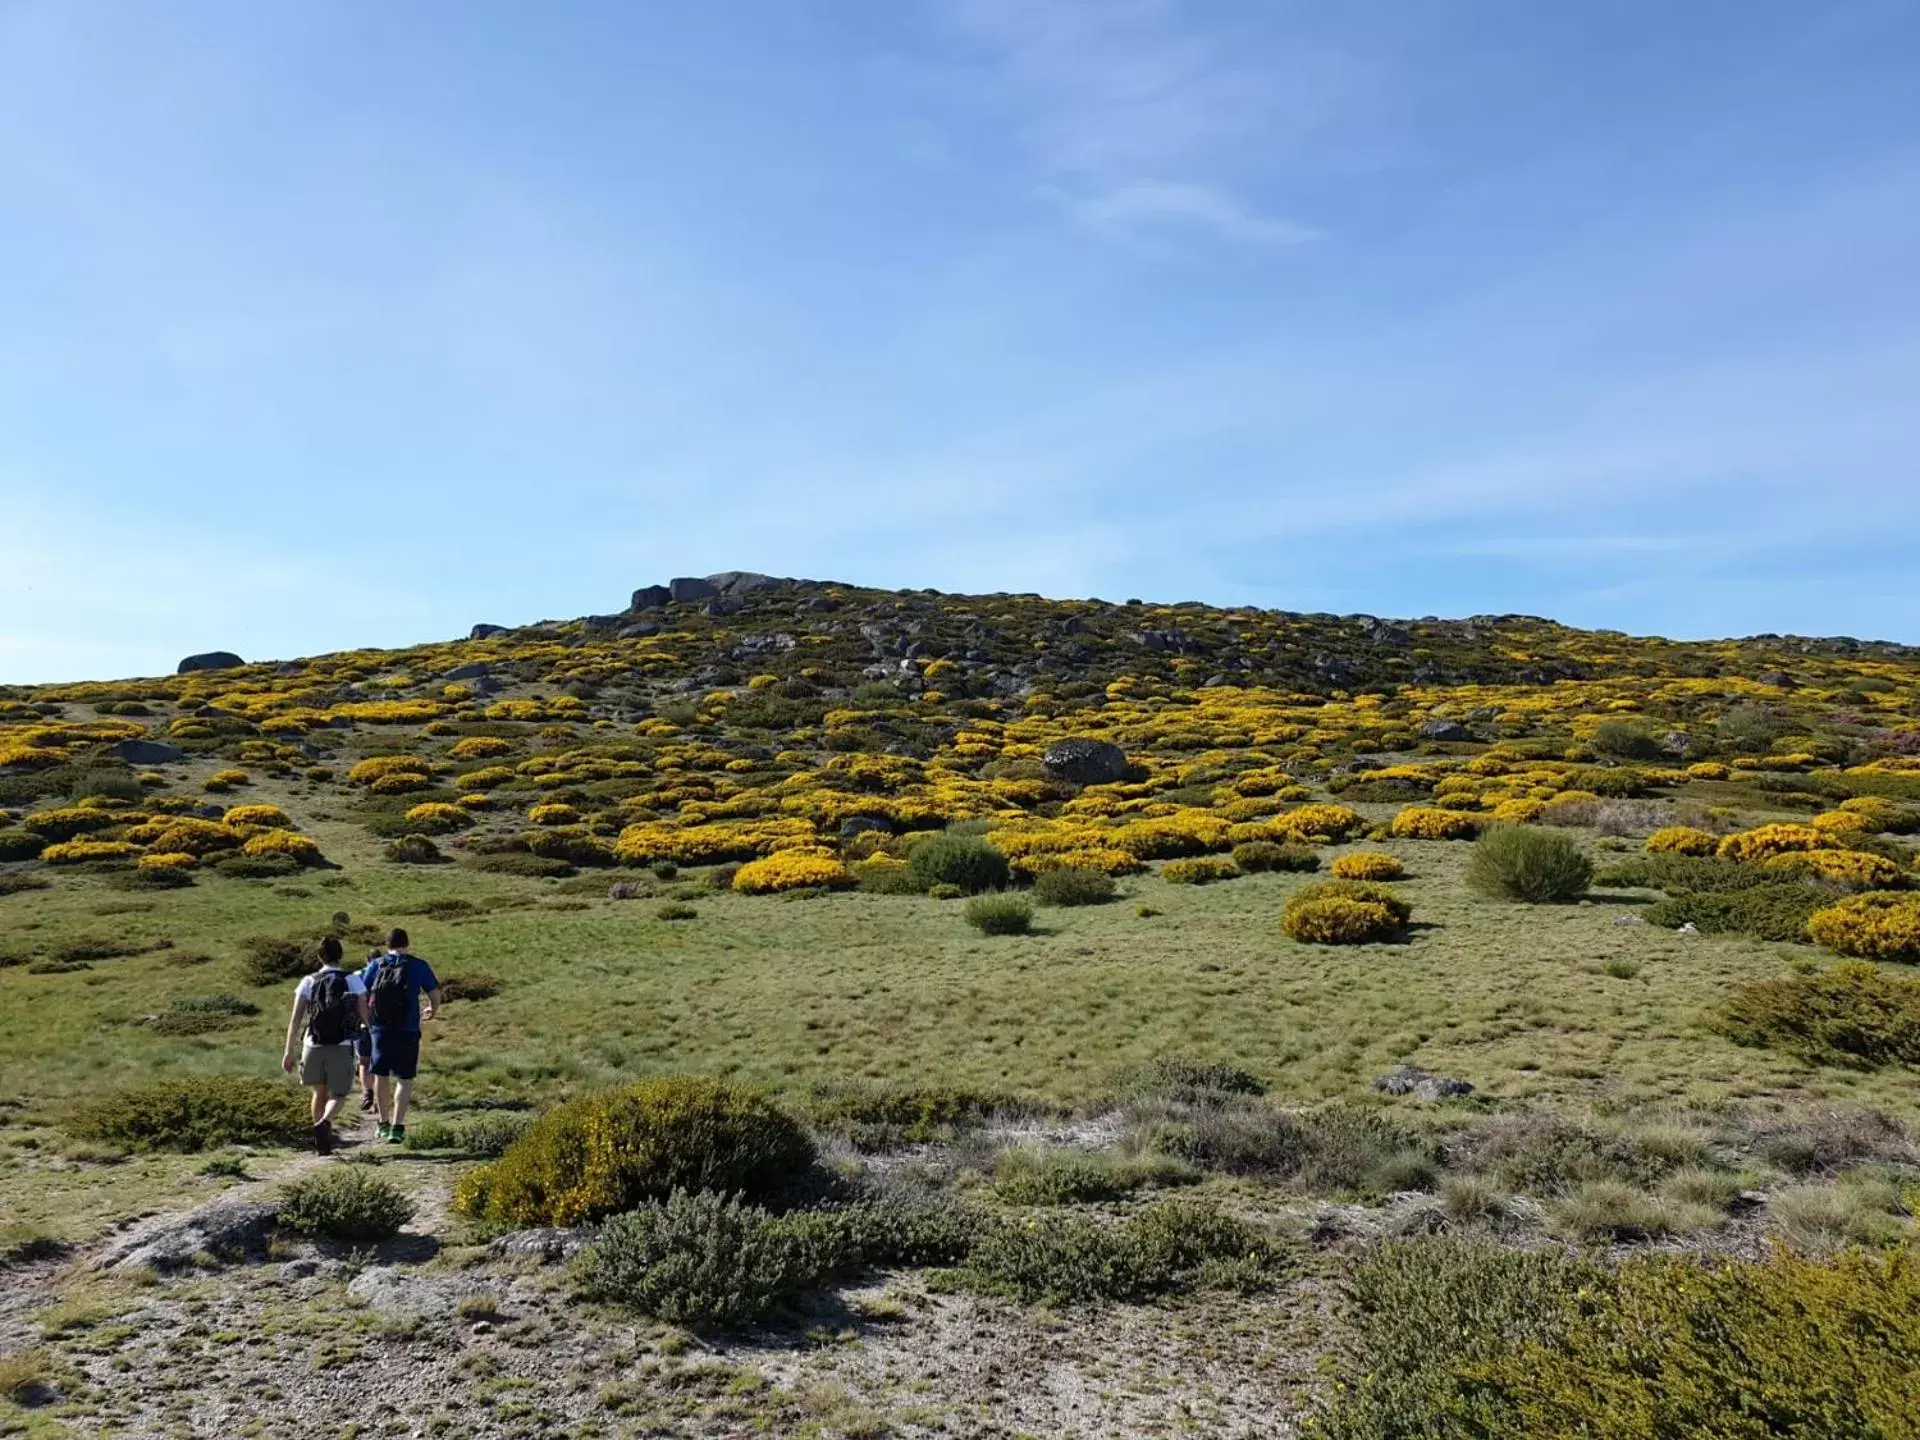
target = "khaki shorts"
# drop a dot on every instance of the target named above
(329, 1065)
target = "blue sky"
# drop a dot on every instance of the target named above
(358, 322)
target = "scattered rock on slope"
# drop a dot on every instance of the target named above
(212, 660)
(1085, 762)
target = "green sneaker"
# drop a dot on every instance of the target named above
(397, 1134)
(385, 1131)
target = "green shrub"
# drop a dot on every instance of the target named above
(708, 1259)
(945, 892)
(21, 845)
(1853, 1014)
(193, 1114)
(1076, 1259)
(345, 1202)
(271, 959)
(235, 866)
(571, 844)
(1660, 1348)
(600, 1154)
(414, 850)
(1766, 912)
(471, 985)
(1002, 914)
(1260, 856)
(694, 1259)
(962, 860)
(489, 1132)
(674, 910)
(887, 1117)
(1519, 862)
(1344, 912)
(883, 875)
(1188, 1080)
(521, 863)
(149, 877)
(20, 884)
(1044, 1176)
(198, 1014)
(1682, 874)
(1068, 886)
(1201, 870)
(1337, 1150)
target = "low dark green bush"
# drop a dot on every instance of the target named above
(1002, 914)
(21, 845)
(193, 1114)
(270, 959)
(1818, 1350)
(1073, 887)
(1188, 1080)
(674, 910)
(1077, 1259)
(1766, 912)
(966, 861)
(1260, 856)
(150, 878)
(1519, 862)
(1332, 1151)
(235, 866)
(694, 1259)
(471, 985)
(414, 850)
(521, 863)
(20, 884)
(487, 1133)
(1683, 874)
(1076, 1177)
(877, 1118)
(198, 1014)
(574, 844)
(1853, 1014)
(345, 1202)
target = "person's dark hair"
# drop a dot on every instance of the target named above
(396, 939)
(330, 951)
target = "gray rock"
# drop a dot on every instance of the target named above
(486, 685)
(398, 1293)
(472, 671)
(212, 660)
(149, 752)
(1085, 762)
(650, 597)
(600, 622)
(1421, 1084)
(743, 582)
(546, 1244)
(225, 1228)
(481, 632)
(685, 590)
(1778, 679)
(1628, 919)
(1446, 730)
(859, 824)
(639, 630)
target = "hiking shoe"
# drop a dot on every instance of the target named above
(385, 1131)
(323, 1138)
(366, 1102)
(397, 1134)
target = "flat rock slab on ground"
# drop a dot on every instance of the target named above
(394, 1292)
(228, 1229)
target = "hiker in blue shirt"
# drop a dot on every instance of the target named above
(395, 982)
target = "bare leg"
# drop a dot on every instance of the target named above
(383, 1098)
(402, 1097)
(320, 1108)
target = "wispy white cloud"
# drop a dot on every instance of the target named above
(1135, 114)
(1158, 205)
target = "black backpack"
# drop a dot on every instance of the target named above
(392, 994)
(332, 1017)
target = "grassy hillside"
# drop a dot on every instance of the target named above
(694, 837)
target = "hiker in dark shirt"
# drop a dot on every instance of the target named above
(395, 984)
(329, 1009)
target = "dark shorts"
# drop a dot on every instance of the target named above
(363, 1046)
(396, 1053)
